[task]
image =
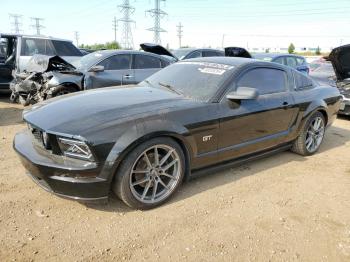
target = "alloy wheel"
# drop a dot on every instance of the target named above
(155, 174)
(314, 135)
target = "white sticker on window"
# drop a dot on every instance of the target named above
(207, 64)
(214, 71)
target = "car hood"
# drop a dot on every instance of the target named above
(237, 52)
(156, 49)
(82, 112)
(44, 63)
(340, 58)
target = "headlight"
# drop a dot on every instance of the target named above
(75, 148)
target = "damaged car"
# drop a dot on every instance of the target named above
(98, 69)
(16, 50)
(194, 116)
(340, 59)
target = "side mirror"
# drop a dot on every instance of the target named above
(243, 93)
(97, 68)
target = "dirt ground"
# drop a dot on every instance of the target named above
(281, 208)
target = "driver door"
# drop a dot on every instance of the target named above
(248, 126)
(117, 71)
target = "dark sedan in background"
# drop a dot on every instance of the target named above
(297, 62)
(194, 115)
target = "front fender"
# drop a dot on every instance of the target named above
(142, 131)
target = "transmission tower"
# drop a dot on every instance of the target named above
(36, 24)
(179, 33)
(115, 27)
(76, 36)
(127, 41)
(158, 14)
(16, 23)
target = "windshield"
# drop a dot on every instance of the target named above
(85, 62)
(195, 80)
(181, 53)
(322, 68)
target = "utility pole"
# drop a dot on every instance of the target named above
(158, 14)
(115, 27)
(179, 32)
(37, 26)
(223, 40)
(16, 23)
(127, 41)
(76, 36)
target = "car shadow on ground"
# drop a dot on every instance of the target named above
(335, 137)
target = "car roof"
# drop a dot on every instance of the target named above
(190, 49)
(110, 52)
(35, 36)
(274, 55)
(233, 61)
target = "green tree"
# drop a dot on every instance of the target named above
(100, 46)
(291, 48)
(318, 51)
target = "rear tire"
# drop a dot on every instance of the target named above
(62, 90)
(311, 136)
(150, 174)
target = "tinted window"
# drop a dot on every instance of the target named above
(146, 62)
(117, 62)
(266, 80)
(164, 63)
(302, 81)
(196, 80)
(291, 61)
(211, 53)
(194, 55)
(64, 48)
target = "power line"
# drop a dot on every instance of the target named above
(76, 37)
(179, 33)
(37, 26)
(16, 23)
(158, 14)
(126, 40)
(115, 27)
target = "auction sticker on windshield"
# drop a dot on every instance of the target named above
(214, 71)
(206, 64)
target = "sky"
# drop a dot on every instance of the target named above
(206, 23)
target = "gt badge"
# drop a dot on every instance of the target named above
(207, 138)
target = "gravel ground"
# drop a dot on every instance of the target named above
(281, 208)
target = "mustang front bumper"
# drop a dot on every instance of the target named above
(63, 176)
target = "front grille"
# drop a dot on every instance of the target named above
(51, 140)
(37, 136)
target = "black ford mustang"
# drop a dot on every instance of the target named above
(142, 141)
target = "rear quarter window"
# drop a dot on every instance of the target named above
(302, 81)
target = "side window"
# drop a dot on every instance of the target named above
(300, 61)
(117, 62)
(210, 53)
(279, 60)
(32, 46)
(291, 61)
(64, 48)
(194, 55)
(146, 62)
(49, 48)
(164, 63)
(266, 80)
(302, 81)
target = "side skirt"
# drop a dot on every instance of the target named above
(238, 161)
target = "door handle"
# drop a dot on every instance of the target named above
(128, 76)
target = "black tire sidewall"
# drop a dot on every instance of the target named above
(121, 184)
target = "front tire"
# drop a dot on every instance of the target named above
(150, 174)
(311, 136)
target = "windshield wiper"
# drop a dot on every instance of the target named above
(170, 88)
(149, 83)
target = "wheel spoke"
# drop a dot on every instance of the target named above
(156, 156)
(170, 176)
(163, 184)
(147, 160)
(146, 189)
(309, 144)
(140, 171)
(165, 158)
(141, 181)
(169, 165)
(155, 186)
